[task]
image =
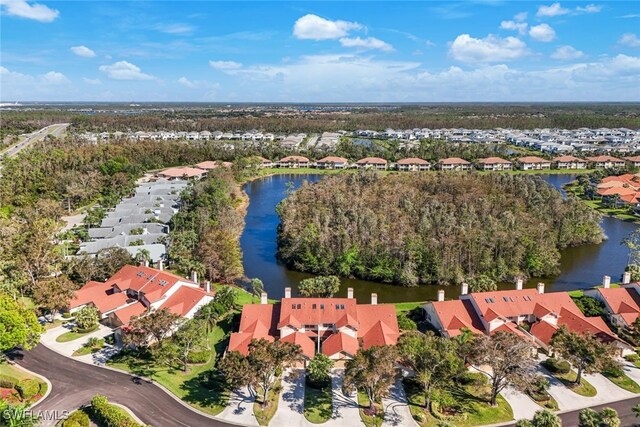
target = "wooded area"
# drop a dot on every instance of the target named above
(431, 228)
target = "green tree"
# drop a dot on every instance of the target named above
(510, 360)
(318, 371)
(319, 287)
(482, 283)
(609, 417)
(226, 299)
(546, 418)
(19, 326)
(257, 287)
(267, 359)
(236, 370)
(156, 325)
(221, 255)
(54, 294)
(371, 371)
(584, 351)
(433, 360)
(189, 337)
(636, 410)
(589, 418)
(87, 317)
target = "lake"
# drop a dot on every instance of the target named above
(582, 267)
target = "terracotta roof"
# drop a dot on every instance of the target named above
(333, 159)
(493, 161)
(150, 281)
(604, 159)
(306, 344)
(455, 315)
(568, 159)
(412, 161)
(632, 159)
(294, 159)
(533, 159)
(314, 311)
(340, 342)
(182, 171)
(372, 161)
(184, 300)
(623, 301)
(207, 165)
(257, 321)
(125, 314)
(454, 161)
(512, 303)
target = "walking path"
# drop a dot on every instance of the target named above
(396, 407)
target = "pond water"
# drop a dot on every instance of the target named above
(581, 267)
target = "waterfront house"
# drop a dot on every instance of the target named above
(293, 162)
(625, 188)
(182, 173)
(605, 162)
(335, 327)
(332, 162)
(534, 163)
(570, 162)
(633, 161)
(454, 164)
(622, 304)
(210, 165)
(372, 163)
(412, 164)
(494, 164)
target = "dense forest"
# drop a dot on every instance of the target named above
(431, 228)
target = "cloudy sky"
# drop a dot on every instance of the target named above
(482, 50)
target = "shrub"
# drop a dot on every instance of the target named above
(556, 366)
(110, 415)
(77, 419)
(28, 388)
(66, 315)
(632, 357)
(198, 356)
(7, 381)
(613, 370)
(405, 323)
(473, 378)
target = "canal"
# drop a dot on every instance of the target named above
(581, 267)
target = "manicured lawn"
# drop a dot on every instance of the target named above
(242, 296)
(369, 420)
(584, 389)
(87, 349)
(264, 413)
(54, 324)
(547, 401)
(408, 306)
(73, 335)
(17, 374)
(193, 386)
(472, 401)
(624, 382)
(318, 404)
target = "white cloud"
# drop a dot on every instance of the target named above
(92, 81)
(553, 10)
(54, 78)
(629, 39)
(123, 70)
(590, 8)
(83, 51)
(23, 9)
(542, 33)
(520, 17)
(521, 27)
(176, 28)
(366, 43)
(631, 16)
(197, 84)
(490, 49)
(186, 82)
(225, 65)
(566, 53)
(314, 27)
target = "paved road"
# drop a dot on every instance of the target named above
(54, 130)
(75, 383)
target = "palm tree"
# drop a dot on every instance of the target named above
(636, 410)
(17, 416)
(209, 316)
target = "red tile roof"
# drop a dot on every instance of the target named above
(622, 301)
(333, 159)
(633, 159)
(125, 314)
(182, 171)
(456, 315)
(314, 311)
(257, 321)
(306, 344)
(184, 300)
(598, 159)
(568, 159)
(412, 161)
(493, 161)
(372, 161)
(533, 159)
(340, 343)
(294, 159)
(150, 281)
(378, 324)
(454, 161)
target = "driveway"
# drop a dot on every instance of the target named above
(291, 404)
(523, 406)
(345, 407)
(67, 348)
(239, 410)
(396, 407)
(75, 383)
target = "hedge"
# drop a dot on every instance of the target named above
(7, 381)
(28, 388)
(556, 366)
(110, 415)
(199, 356)
(77, 419)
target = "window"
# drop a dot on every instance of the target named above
(310, 326)
(327, 325)
(506, 299)
(341, 306)
(321, 306)
(314, 306)
(293, 306)
(298, 306)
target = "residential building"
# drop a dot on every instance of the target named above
(372, 163)
(622, 304)
(332, 162)
(412, 164)
(182, 173)
(626, 187)
(494, 164)
(633, 161)
(534, 163)
(293, 162)
(605, 162)
(570, 162)
(454, 164)
(335, 327)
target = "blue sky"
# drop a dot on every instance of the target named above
(483, 50)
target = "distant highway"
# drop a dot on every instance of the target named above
(54, 130)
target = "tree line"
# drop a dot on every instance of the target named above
(431, 228)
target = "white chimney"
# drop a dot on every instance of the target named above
(287, 292)
(374, 299)
(519, 284)
(464, 289)
(194, 277)
(207, 286)
(146, 263)
(350, 293)
(626, 278)
(161, 265)
(263, 298)
(540, 288)
(441, 295)
(606, 282)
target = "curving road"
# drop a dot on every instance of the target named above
(75, 383)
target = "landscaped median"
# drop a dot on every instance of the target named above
(371, 415)
(561, 370)
(318, 403)
(18, 387)
(100, 412)
(75, 334)
(265, 408)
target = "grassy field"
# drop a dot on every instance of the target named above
(73, 335)
(318, 404)
(624, 382)
(369, 420)
(402, 307)
(584, 389)
(192, 386)
(264, 413)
